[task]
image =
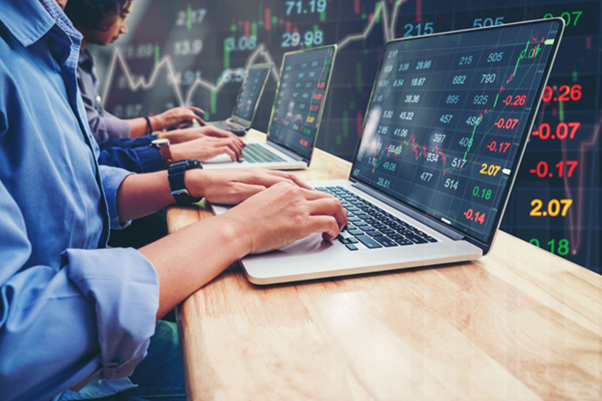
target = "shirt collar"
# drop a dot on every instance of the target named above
(29, 20)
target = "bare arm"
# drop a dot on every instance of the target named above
(138, 127)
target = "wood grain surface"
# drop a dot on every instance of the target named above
(518, 324)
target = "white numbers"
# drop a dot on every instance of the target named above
(418, 81)
(426, 176)
(451, 184)
(452, 99)
(472, 121)
(495, 57)
(188, 47)
(481, 22)
(488, 78)
(407, 115)
(459, 80)
(446, 118)
(388, 114)
(424, 65)
(438, 138)
(466, 60)
(480, 99)
(432, 157)
(310, 38)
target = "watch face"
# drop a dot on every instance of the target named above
(160, 142)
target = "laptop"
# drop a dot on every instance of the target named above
(446, 128)
(247, 100)
(296, 114)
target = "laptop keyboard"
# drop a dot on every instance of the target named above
(255, 153)
(372, 226)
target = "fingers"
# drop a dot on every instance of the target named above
(329, 207)
(292, 177)
(200, 111)
(229, 152)
(327, 225)
(220, 133)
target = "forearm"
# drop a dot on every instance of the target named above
(139, 127)
(192, 257)
(143, 194)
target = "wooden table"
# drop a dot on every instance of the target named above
(518, 324)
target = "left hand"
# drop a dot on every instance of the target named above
(178, 117)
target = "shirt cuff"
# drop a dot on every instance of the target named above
(117, 128)
(112, 177)
(125, 293)
(150, 158)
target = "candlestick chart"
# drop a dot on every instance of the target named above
(195, 53)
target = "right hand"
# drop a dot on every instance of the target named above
(190, 134)
(207, 147)
(284, 213)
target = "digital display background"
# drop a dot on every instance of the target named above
(195, 52)
(447, 119)
(249, 94)
(300, 99)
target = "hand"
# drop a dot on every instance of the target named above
(179, 117)
(206, 148)
(190, 134)
(283, 214)
(230, 187)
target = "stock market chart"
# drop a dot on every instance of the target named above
(447, 119)
(250, 92)
(195, 52)
(300, 98)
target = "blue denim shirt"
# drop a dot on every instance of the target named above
(71, 311)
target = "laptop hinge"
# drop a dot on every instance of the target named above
(440, 227)
(286, 151)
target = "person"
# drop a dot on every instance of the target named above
(75, 315)
(101, 22)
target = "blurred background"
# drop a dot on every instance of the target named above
(187, 52)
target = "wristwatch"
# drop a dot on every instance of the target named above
(163, 146)
(175, 174)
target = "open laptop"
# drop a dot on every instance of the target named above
(296, 114)
(446, 128)
(247, 100)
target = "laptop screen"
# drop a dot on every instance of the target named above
(448, 119)
(251, 89)
(300, 98)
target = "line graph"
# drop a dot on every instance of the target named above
(261, 52)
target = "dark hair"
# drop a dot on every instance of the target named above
(90, 14)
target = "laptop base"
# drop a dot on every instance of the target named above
(312, 258)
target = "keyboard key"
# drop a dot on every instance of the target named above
(404, 242)
(351, 247)
(368, 242)
(387, 242)
(351, 240)
(416, 239)
(358, 232)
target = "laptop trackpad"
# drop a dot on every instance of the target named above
(223, 158)
(312, 244)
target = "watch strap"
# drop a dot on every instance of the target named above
(175, 174)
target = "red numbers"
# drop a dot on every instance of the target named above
(303, 143)
(515, 100)
(471, 215)
(564, 169)
(509, 123)
(563, 131)
(501, 147)
(566, 93)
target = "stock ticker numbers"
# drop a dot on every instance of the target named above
(195, 52)
(461, 128)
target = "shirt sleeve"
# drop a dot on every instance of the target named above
(92, 318)
(127, 143)
(112, 178)
(104, 126)
(144, 159)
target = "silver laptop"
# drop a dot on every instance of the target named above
(296, 114)
(247, 100)
(446, 128)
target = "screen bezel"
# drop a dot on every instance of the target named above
(240, 120)
(319, 118)
(485, 246)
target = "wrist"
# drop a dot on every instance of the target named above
(235, 233)
(178, 153)
(157, 123)
(197, 181)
